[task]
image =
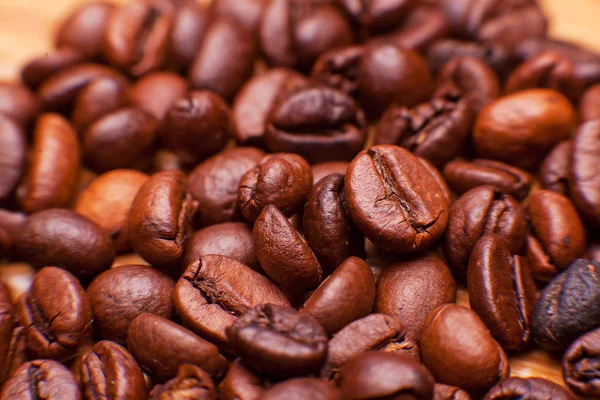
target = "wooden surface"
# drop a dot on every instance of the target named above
(26, 30)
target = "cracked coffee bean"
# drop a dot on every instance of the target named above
(41, 379)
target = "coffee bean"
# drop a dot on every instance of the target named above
(445, 392)
(215, 290)
(378, 374)
(39, 379)
(84, 28)
(501, 291)
(338, 69)
(390, 205)
(284, 254)
(458, 349)
(593, 251)
(37, 70)
(554, 170)
(580, 365)
(161, 347)
(241, 383)
(111, 371)
(156, 93)
(528, 388)
(189, 25)
(378, 17)
(12, 337)
(321, 170)
(590, 104)
(557, 235)
(279, 341)
(17, 103)
(424, 25)
(13, 149)
(584, 180)
(568, 306)
(247, 13)
(99, 98)
(303, 388)
(191, 383)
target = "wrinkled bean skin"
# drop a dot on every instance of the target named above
(279, 341)
(480, 211)
(241, 383)
(17, 103)
(53, 168)
(556, 234)
(64, 239)
(501, 291)
(84, 29)
(119, 295)
(111, 372)
(161, 347)
(555, 169)
(584, 178)
(38, 379)
(411, 289)
(189, 24)
(589, 106)
(156, 93)
(13, 152)
(528, 388)
(215, 290)
(303, 388)
(338, 69)
(381, 196)
(581, 363)
(445, 392)
(37, 70)
(191, 383)
(321, 170)
(100, 97)
(458, 349)
(378, 374)
(568, 306)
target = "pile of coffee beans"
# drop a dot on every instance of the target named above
(280, 199)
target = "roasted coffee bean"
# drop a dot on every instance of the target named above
(445, 392)
(223, 72)
(136, 36)
(121, 139)
(555, 169)
(338, 69)
(53, 169)
(41, 379)
(279, 341)
(11, 336)
(501, 291)
(423, 26)
(378, 374)
(84, 29)
(373, 332)
(214, 290)
(161, 347)
(303, 388)
(522, 127)
(459, 350)
(119, 295)
(37, 70)
(589, 106)
(189, 24)
(156, 93)
(584, 180)
(388, 74)
(378, 17)
(214, 183)
(436, 131)
(111, 372)
(581, 364)
(557, 236)
(63, 238)
(17, 102)
(100, 97)
(160, 218)
(241, 383)
(191, 383)
(394, 199)
(546, 70)
(247, 13)
(197, 126)
(411, 289)
(528, 388)
(476, 213)
(284, 254)
(13, 151)
(568, 306)
(319, 123)
(321, 170)
(56, 314)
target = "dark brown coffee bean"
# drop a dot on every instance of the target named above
(97, 99)
(581, 364)
(120, 294)
(41, 379)
(9, 335)
(423, 26)
(392, 207)
(321, 170)
(557, 236)
(528, 388)
(542, 118)
(64, 239)
(378, 16)
(460, 351)
(241, 383)
(16, 352)
(476, 213)
(162, 346)
(294, 33)
(247, 13)
(223, 72)
(37, 70)
(111, 372)
(84, 28)
(463, 176)
(17, 103)
(136, 36)
(501, 291)
(589, 106)
(53, 169)
(378, 374)
(160, 218)
(13, 151)
(197, 126)
(338, 69)
(436, 131)
(284, 254)
(319, 123)
(279, 341)
(303, 388)
(214, 290)
(568, 306)
(584, 182)
(410, 290)
(555, 169)
(445, 392)
(189, 24)
(191, 383)
(156, 93)
(373, 332)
